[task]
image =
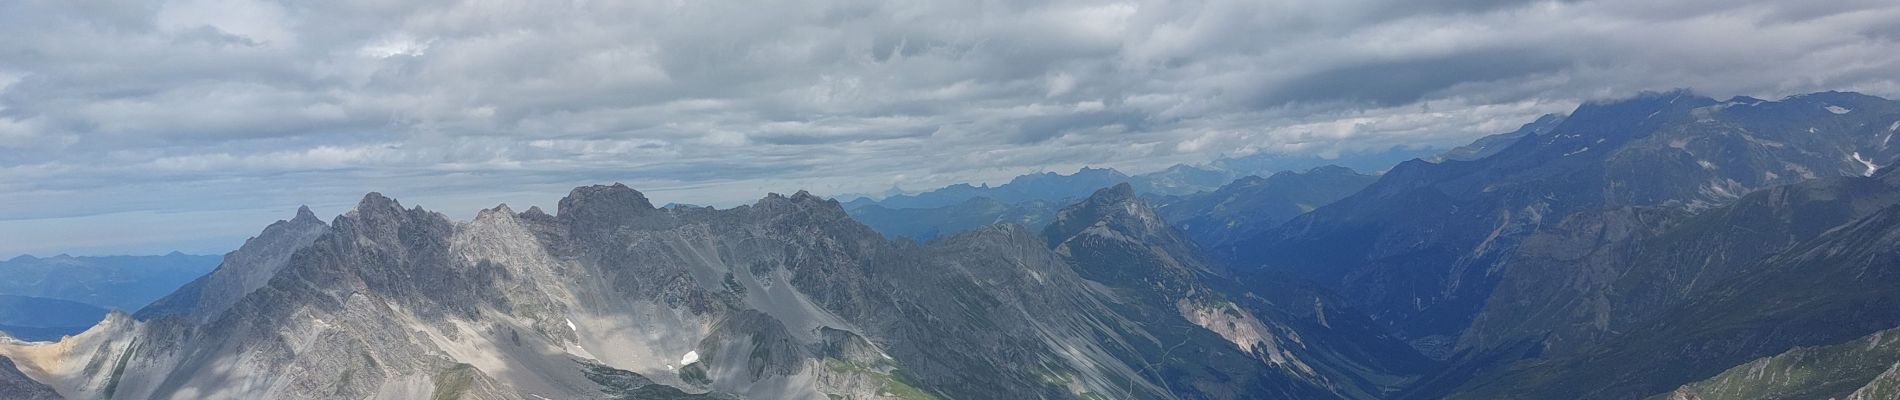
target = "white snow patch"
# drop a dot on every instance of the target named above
(1871, 168)
(582, 351)
(1705, 164)
(1578, 151)
(690, 358)
(1838, 110)
(1894, 127)
(570, 325)
(1811, 129)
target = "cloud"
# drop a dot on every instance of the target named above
(129, 107)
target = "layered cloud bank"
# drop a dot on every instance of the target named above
(152, 109)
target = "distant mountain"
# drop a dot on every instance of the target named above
(1177, 180)
(1182, 179)
(1421, 247)
(36, 318)
(1515, 255)
(1250, 204)
(1268, 163)
(924, 224)
(121, 282)
(1489, 145)
(1029, 200)
(1047, 186)
(1209, 216)
(611, 297)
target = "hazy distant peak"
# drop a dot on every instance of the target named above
(1119, 193)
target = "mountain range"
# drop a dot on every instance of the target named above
(46, 298)
(1243, 205)
(788, 297)
(1664, 246)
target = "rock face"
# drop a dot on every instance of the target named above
(15, 385)
(1861, 369)
(1808, 265)
(247, 269)
(1115, 239)
(613, 298)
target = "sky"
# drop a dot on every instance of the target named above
(141, 127)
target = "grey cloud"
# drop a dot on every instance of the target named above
(199, 105)
(1404, 81)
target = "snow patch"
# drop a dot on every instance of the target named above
(1705, 164)
(1578, 151)
(570, 325)
(1838, 110)
(690, 358)
(1871, 168)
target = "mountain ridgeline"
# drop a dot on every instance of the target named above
(1216, 215)
(1614, 235)
(789, 297)
(1664, 246)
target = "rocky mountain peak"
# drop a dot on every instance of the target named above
(1115, 208)
(305, 216)
(602, 201)
(249, 267)
(376, 204)
(1331, 170)
(1121, 192)
(803, 201)
(496, 211)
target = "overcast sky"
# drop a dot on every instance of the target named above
(147, 126)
